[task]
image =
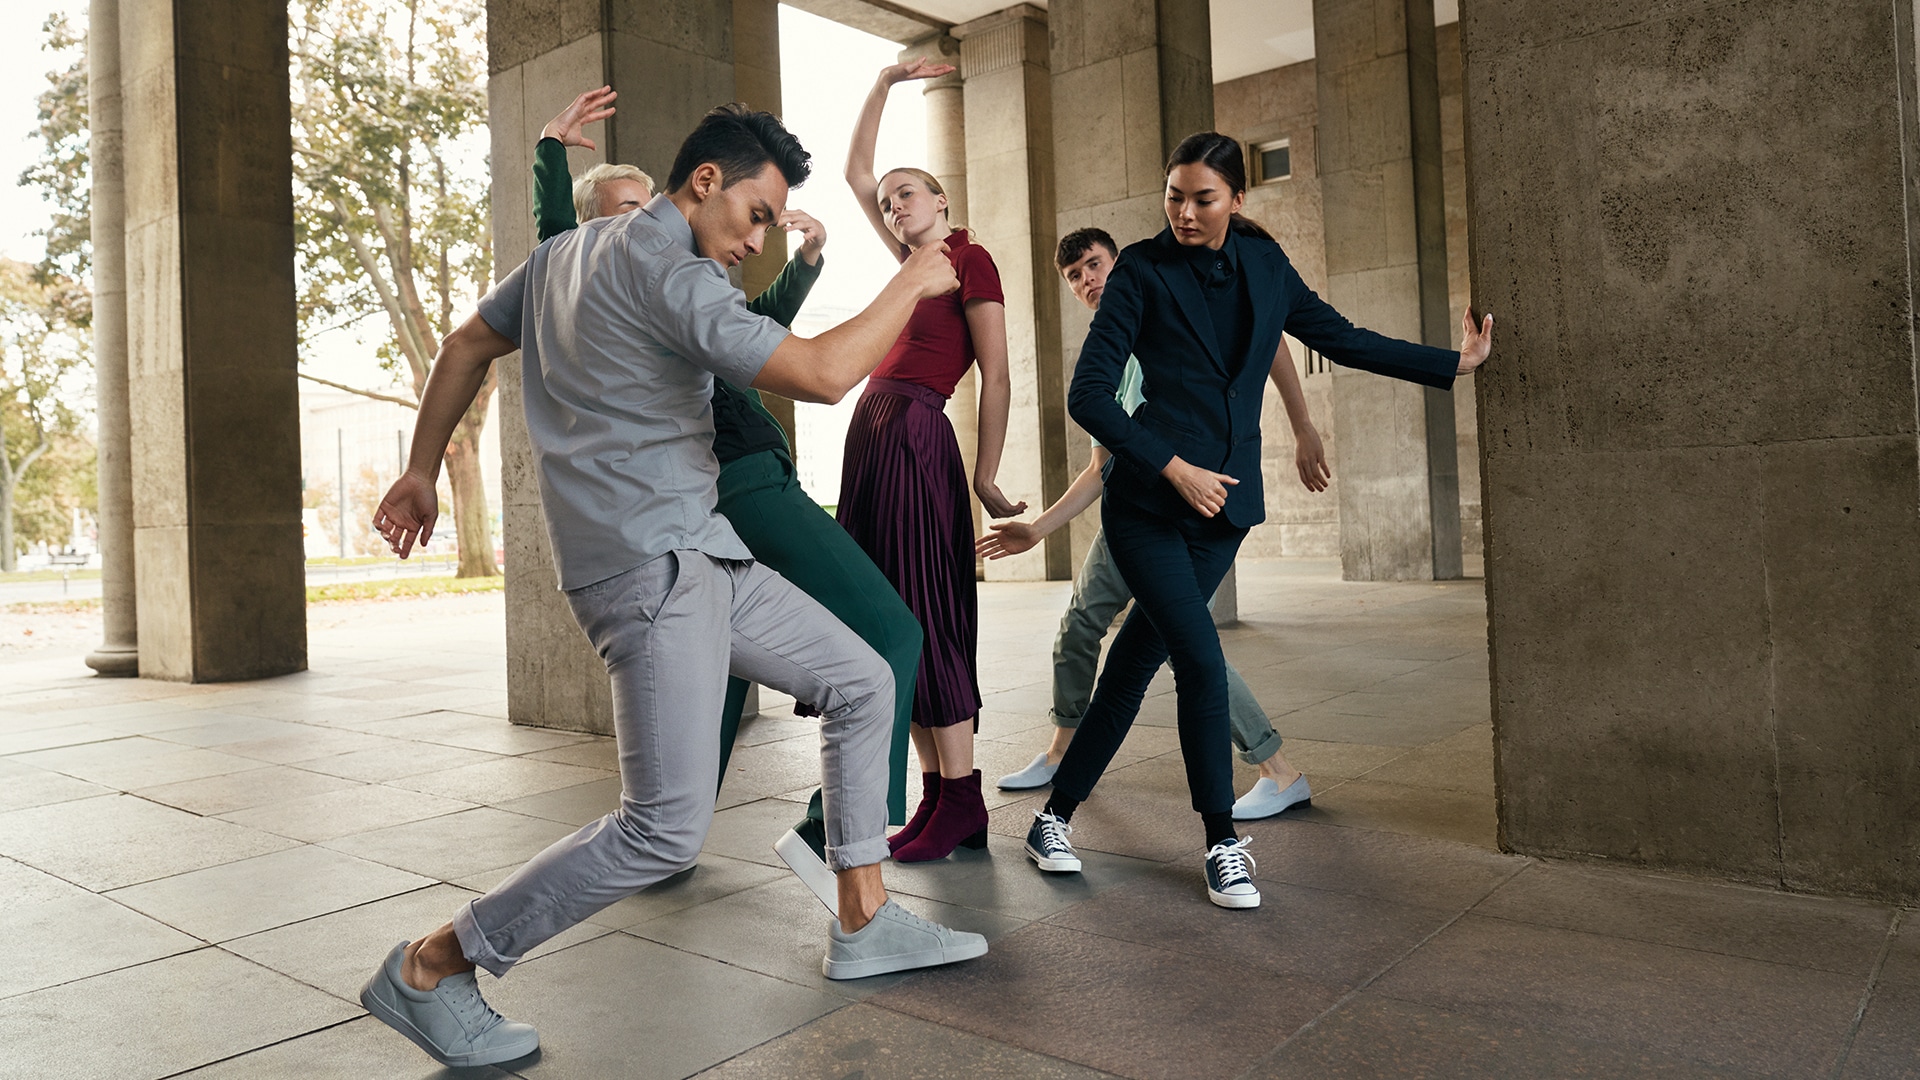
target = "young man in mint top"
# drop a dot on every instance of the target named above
(1099, 593)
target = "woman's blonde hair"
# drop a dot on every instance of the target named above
(586, 190)
(921, 175)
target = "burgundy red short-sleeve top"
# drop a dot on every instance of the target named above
(936, 348)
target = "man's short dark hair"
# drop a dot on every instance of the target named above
(741, 141)
(1075, 245)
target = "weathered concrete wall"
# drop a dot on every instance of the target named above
(1383, 196)
(1453, 161)
(1009, 139)
(1131, 78)
(1274, 104)
(1691, 220)
(214, 410)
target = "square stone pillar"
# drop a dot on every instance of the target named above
(1009, 140)
(214, 407)
(671, 63)
(1700, 456)
(1131, 78)
(1383, 198)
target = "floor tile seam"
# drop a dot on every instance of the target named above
(223, 943)
(846, 1004)
(964, 1033)
(1367, 982)
(199, 943)
(1698, 951)
(264, 1046)
(1866, 995)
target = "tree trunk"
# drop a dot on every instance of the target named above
(8, 558)
(472, 524)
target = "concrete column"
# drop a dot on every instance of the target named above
(1383, 197)
(1131, 78)
(119, 651)
(214, 417)
(1700, 453)
(671, 63)
(1004, 58)
(756, 82)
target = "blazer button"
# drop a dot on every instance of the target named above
(1233, 392)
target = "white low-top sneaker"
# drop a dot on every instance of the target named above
(1037, 774)
(807, 865)
(896, 940)
(1268, 798)
(1047, 844)
(451, 1022)
(1230, 874)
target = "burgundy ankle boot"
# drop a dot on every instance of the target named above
(959, 821)
(929, 799)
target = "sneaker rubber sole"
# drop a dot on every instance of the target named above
(793, 850)
(884, 965)
(1070, 865)
(1233, 900)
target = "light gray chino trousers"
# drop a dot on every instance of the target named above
(1099, 592)
(670, 631)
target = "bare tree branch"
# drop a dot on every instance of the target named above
(374, 394)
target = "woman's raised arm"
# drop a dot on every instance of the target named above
(866, 132)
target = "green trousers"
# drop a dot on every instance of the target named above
(793, 536)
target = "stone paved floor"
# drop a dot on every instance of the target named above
(195, 879)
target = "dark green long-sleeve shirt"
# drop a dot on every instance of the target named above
(741, 423)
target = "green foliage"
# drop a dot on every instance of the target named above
(46, 463)
(63, 175)
(391, 188)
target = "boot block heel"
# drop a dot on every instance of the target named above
(976, 841)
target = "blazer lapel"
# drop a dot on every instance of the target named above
(1186, 295)
(1257, 262)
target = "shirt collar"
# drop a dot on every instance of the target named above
(671, 221)
(1202, 258)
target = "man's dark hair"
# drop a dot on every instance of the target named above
(1075, 245)
(740, 141)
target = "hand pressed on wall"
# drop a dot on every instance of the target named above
(1475, 343)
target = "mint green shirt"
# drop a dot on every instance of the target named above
(1130, 396)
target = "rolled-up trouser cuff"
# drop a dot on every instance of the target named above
(475, 946)
(1267, 747)
(1062, 720)
(859, 853)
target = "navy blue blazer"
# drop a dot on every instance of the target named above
(1201, 405)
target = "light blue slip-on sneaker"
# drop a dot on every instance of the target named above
(1038, 774)
(896, 940)
(451, 1022)
(1266, 799)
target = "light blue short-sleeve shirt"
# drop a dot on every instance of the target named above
(622, 326)
(1129, 395)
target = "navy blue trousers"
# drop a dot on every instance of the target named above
(1173, 565)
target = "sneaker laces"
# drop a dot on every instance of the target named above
(908, 917)
(475, 1015)
(1053, 832)
(1233, 864)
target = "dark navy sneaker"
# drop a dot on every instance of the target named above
(1047, 844)
(1230, 874)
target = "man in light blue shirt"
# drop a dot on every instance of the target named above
(623, 324)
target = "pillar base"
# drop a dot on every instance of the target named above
(115, 661)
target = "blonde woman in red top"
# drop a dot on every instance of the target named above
(903, 488)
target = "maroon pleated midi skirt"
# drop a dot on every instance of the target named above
(903, 498)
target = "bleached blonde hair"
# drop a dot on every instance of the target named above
(586, 190)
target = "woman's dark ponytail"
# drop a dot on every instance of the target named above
(1221, 154)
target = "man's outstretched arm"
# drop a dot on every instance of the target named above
(406, 516)
(824, 368)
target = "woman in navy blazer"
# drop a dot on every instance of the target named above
(1202, 306)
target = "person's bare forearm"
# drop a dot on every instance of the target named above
(1081, 494)
(996, 397)
(458, 373)
(822, 369)
(1287, 381)
(866, 132)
